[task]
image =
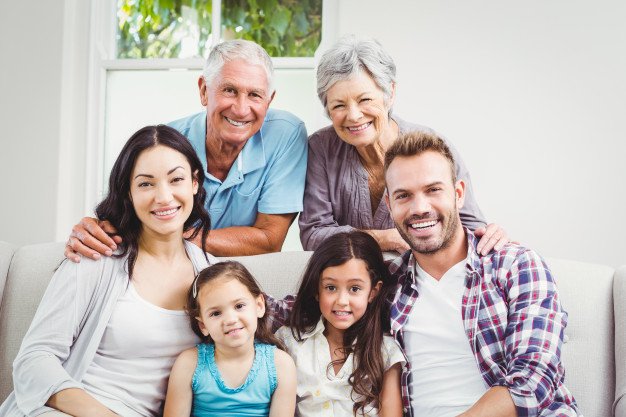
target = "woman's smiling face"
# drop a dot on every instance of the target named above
(162, 187)
(358, 109)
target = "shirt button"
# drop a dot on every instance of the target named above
(317, 393)
(326, 405)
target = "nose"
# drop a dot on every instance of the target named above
(229, 316)
(342, 298)
(420, 206)
(240, 106)
(163, 194)
(354, 113)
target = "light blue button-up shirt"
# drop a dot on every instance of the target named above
(267, 177)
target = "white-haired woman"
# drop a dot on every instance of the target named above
(345, 185)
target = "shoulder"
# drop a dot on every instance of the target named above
(406, 127)
(324, 138)
(391, 351)
(198, 256)
(185, 124)
(89, 272)
(516, 264)
(285, 366)
(187, 358)
(281, 120)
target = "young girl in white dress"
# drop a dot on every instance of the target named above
(346, 366)
(237, 369)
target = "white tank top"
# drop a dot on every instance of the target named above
(446, 380)
(130, 370)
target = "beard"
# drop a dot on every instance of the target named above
(449, 224)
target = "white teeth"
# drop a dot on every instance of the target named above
(424, 224)
(234, 122)
(362, 127)
(166, 212)
(342, 313)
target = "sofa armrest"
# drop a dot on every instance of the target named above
(619, 304)
(6, 254)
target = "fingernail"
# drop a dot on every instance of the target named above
(96, 256)
(108, 253)
(113, 246)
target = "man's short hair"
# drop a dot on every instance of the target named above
(247, 51)
(416, 143)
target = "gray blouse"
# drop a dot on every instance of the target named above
(337, 196)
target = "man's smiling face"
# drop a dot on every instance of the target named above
(236, 101)
(424, 201)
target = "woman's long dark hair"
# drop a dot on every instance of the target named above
(118, 208)
(232, 270)
(367, 377)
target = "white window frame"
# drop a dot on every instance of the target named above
(103, 59)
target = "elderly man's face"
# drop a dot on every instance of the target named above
(236, 101)
(424, 202)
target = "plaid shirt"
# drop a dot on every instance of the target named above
(514, 323)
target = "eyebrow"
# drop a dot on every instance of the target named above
(152, 176)
(331, 279)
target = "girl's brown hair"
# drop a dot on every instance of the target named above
(229, 270)
(367, 378)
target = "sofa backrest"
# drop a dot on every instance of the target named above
(586, 292)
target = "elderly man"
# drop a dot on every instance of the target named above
(482, 334)
(254, 157)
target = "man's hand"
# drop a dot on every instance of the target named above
(389, 240)
(491, 237)
(91, 238)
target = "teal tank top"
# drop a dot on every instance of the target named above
(211, 396)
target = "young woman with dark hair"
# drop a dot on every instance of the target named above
(106, 333)
(336, 331)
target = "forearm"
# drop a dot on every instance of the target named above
(313, 236)
(78, 403)
(496, 402)
(240, 241)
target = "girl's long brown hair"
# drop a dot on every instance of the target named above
(232, 270)
(367, 378)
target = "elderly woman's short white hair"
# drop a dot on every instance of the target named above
(350, 56)
(247, 51)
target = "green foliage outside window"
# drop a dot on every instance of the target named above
(175, 28)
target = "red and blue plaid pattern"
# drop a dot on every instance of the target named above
(514, 323)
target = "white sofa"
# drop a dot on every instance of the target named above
(594, 296)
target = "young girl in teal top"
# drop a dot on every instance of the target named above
(237, 370)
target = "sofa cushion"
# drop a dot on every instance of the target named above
(586, 292)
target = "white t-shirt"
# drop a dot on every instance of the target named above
(320, 392)
(136, 354)
(445, 379)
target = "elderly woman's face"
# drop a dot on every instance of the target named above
(357, 108)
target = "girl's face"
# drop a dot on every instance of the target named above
(344, 293)
(162, 188)
(229, 312)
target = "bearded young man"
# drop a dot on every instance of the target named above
(482, 334)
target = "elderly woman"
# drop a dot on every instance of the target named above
(345, 184)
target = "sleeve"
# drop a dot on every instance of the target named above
(533, 338)
(279, 310)
(471, 215)
(392, 353)
(283, 188)
(317, 221)
(37, 370)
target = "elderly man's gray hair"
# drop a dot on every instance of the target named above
(247, 51)
(351, 55)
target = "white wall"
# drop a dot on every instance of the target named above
(533, 94)
(30, 98)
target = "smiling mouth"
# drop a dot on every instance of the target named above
(163, 213)
(359, 128)
(235, 122)
(423, 225)
(234, 331)
(342, 313)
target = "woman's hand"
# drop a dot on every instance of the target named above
(389, 240)
(91, 238)
(76, 402)
(491, 237)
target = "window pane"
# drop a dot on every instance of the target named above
(283, 27)
(182, 28)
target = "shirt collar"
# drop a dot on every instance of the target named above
(318, 330)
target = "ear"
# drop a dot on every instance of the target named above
(271, 98)
(194, 182)
(202, 87)
(387, 201)
(203, 328)
(374, 291)
(459, 192)
(260, 306)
